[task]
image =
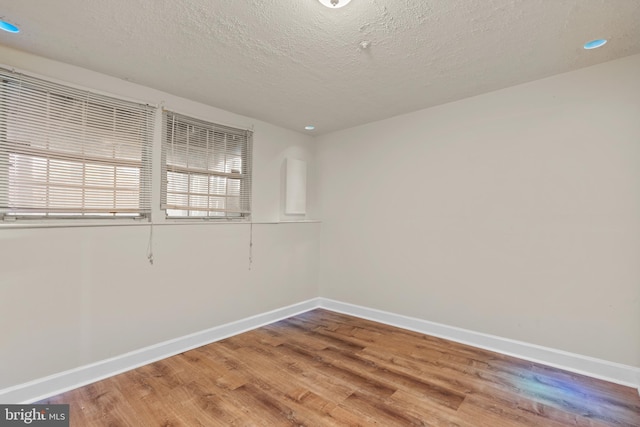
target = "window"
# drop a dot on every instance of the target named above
(206, 169)
(66, 152)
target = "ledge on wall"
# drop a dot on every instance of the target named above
(137, 223)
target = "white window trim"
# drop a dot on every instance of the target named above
(97, 98)
(157, 216)
(247, 217)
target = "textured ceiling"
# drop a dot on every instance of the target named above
(297, 62)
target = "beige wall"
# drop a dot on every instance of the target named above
(71, 296)
(515, 213)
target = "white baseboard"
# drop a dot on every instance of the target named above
(592, 367)
(52, 385)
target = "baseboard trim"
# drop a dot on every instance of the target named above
(589, 366)
(52, 385)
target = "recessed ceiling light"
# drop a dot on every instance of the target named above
(593, 44)
(309, 127)
(10, 28)
(334, 4)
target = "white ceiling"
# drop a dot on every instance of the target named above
(296, 62)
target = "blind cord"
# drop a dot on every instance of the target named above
(250, 244)
(150, 245)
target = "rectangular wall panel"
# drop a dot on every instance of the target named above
(296, 187)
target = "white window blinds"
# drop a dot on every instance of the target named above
(66, 152)
(206, 169)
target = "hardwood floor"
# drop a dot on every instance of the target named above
(324, 369)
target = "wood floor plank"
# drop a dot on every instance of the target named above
(431, 413)
(279, 388)
(519, 383)
(323, 368)
(401, 380)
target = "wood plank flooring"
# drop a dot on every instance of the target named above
(321, 368)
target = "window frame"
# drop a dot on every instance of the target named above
(170, 119)
(138, 113)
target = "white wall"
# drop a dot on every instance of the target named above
(75, 295)
(515, 213)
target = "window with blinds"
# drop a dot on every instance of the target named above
(206, 169)
(66, 152)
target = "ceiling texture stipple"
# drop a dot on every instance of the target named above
(291, 63)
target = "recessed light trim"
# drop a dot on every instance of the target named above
(594, 44)
(8, 27)
(334, 4)
(309, 127)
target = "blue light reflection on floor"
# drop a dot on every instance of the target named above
(540, 385)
